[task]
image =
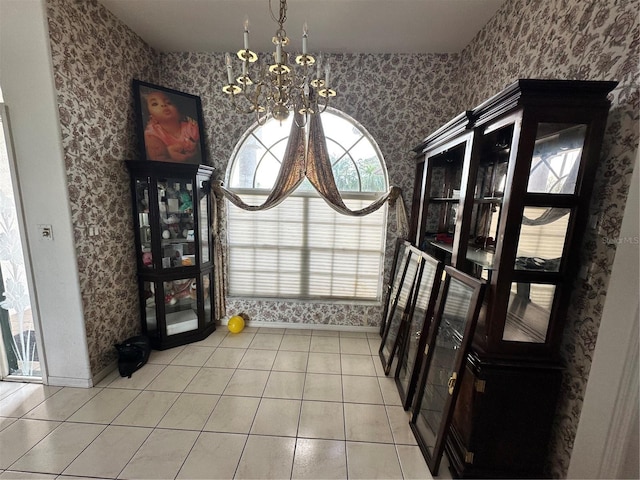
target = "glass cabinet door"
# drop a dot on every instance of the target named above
(556, 158)
(203, 219)
(144, 232)
(439, 211)
(175, 205)
(180, 305)
(449, 338)
(490, 182)
(207, 295)
(547, 220)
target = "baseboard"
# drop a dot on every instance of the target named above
(309, 326)
(97, 378)
(69, 382)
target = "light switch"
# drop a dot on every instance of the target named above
(46, 232)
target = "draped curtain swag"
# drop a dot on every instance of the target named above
(312, 161)
(301, 159)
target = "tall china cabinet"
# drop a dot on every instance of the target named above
(172, 217)
(502, 193)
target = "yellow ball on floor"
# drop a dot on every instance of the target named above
(235, 324)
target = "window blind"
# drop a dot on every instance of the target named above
(303, 249)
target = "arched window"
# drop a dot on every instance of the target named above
(303, 249)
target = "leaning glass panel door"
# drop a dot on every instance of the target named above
(449, 337)
(400, 304)
(409, 355)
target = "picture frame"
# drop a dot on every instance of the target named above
(169, 124)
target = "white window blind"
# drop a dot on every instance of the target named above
(303, 249)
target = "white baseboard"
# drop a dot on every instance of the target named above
(97, 378)
(69, 382)
(308, 326)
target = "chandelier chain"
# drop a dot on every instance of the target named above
(283, 13)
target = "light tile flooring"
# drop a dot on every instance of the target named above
(266, 403)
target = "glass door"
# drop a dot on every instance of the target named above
(19, 357)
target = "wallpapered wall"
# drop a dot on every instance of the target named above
(577, 39)
(399, 99)
(94, 57)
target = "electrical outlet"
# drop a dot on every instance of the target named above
(46, 232)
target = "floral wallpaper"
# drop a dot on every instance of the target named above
(95, 57)
(571, 39)
(399, 99)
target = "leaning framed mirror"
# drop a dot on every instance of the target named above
(450, 335)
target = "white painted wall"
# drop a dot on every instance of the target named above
(26, 79)
(608, 429)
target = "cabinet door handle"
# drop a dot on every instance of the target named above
(452, 382)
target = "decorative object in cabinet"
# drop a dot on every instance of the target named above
(172, 219)
(524, 162)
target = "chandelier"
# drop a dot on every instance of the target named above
(278, 87)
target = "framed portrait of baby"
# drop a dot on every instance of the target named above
(169, 124)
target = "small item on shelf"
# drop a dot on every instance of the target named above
(186, 204)
(444, 238)
(147, 259)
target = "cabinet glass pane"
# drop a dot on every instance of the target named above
(528, 312)
(205, 255)
(483, 233)
(180, 305)
(150, 308)
(420, 321)
(142, 205)
(175, 204)
(446, 179)
(443, 363)
(556, 158)
(400, 305)
(208, 298)
(441, 224)
(542, 237)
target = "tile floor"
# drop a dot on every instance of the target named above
(266, 403)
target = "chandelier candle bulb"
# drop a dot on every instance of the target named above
(327, 72)
(227, 59)
(246, 33)
(305, 31)
(278, 53)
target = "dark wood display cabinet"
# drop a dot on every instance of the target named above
(172, 217)
(502, 193)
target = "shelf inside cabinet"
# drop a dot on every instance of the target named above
(483, 258)
(489, 200)
(445, 199)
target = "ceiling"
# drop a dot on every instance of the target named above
(335, 26)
